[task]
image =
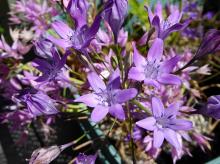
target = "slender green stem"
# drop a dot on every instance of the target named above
(131, 135)
(139, 105)
(113, 124)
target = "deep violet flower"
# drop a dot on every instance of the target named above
(210, 44)
(164, 123)
(115, 15)
(78, 39)
(152, 70)
(37, 102)
(106, 99)
(85, 159)
(212, 107)
(167, 26)
(78, 11)
(51, 68)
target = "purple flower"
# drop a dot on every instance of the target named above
(164, 123)
(51, 68)
(115, 14)
(212, 107)
(165, 27)
(37, 102)
(43, 48)
(85, 159)
(78, 11)
(106, 99)
(152, 70)
(79, 39)
(210, 44)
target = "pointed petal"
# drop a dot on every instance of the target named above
(96, 82)
(152, 82)
(175, 27)
(135, 73)
(90, 99)
(117, 111)
(147, 123)
(98, 113)
(59, 42)
(168, 65)
(156, 51)
(156, 24)
(158, 138)
(157, 107)
(42, 78)
(139, 60)
(171, 136)
(125, 95)
(62, 29)
(169, 79)
(180, 124)
(172, 110)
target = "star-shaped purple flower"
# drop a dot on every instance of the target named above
(151, 70)
(165, 27)
(79, 39)
(52, 67)
(106, 99)
(164, 123)
(37, 102)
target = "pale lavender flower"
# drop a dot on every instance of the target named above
(51, 68)
(16, 50)
(115, 14)
(106, 99)
(37, 102)
(164, 123)
(202, 141)
(85, 159)
(78, 11)
(151, 70)
(167, 26)
(47, 155)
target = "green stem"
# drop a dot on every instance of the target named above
(139, 105)
(131, 135)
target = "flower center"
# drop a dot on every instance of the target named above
(151, 70)
(106, 97)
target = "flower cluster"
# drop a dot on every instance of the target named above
(83, 56)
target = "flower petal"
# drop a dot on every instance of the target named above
(168, 65)
(125, 95)
(139, 60)
(156, 51)
(59, 42)
(169, 79)
(147, 123)
(135, 73)
(96, 82)
(158, 138)
(62, 29)
(172, 110)
(90, 99)
(180, 124)
(157, 107)
(117, 111)
(171, 136)
(98, 113)
(152, 82)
